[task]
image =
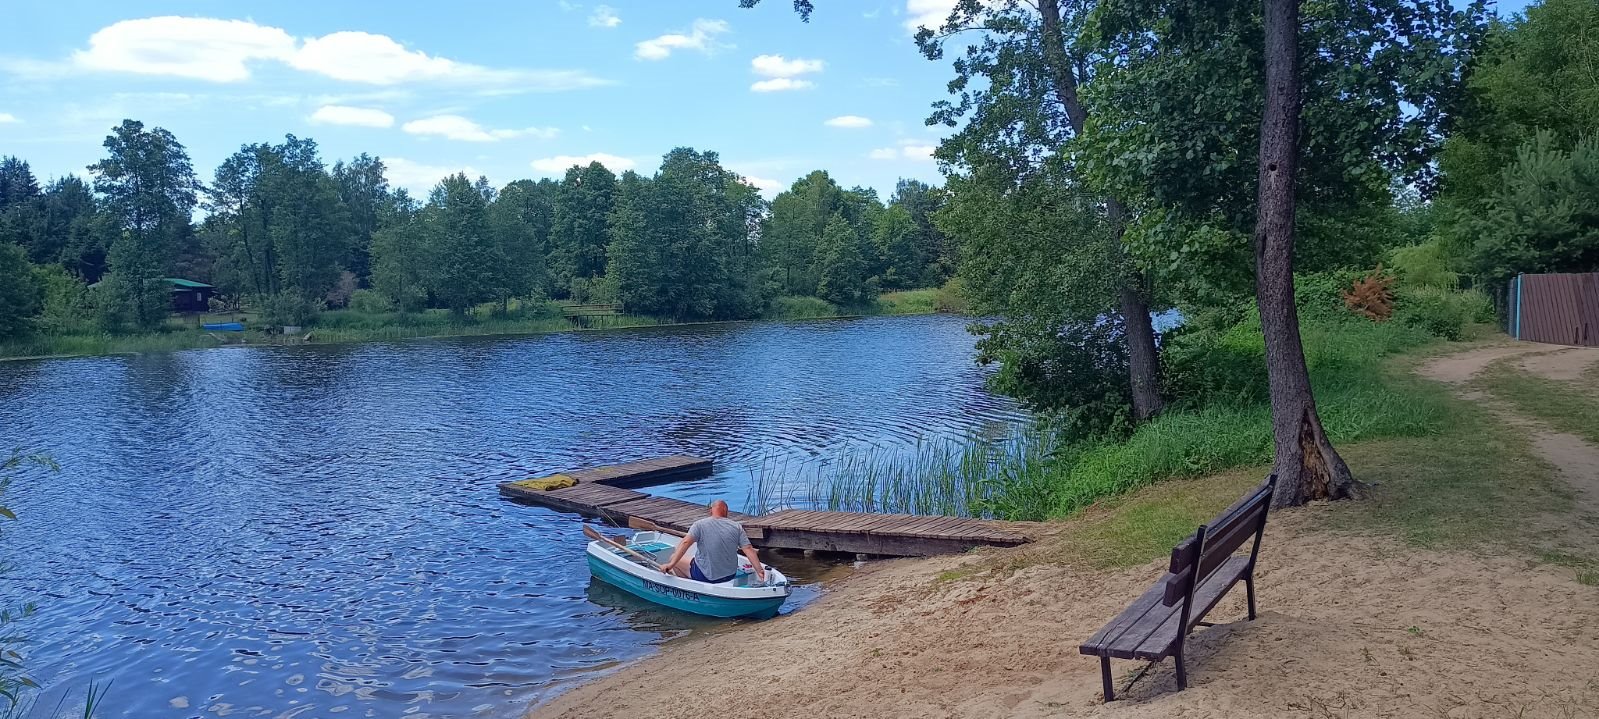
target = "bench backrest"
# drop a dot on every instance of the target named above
(1195, 558)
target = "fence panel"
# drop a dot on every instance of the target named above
(1557, 308)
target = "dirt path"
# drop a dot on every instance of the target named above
(1575, 460)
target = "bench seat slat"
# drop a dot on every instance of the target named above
(1163, 640)
(1148, 628)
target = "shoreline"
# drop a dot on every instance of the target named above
(1382, 607)
(637, 322)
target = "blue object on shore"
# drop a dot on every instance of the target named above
(224, 326)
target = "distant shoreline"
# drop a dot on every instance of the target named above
(114, 345)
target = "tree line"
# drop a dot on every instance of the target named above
(287, 235)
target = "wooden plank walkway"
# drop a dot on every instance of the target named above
(903, 535)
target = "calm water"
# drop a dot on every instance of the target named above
(315, 531)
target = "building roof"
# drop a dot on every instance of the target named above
(188, 284)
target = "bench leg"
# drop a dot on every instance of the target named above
(1249, 589)
(1104, 678)
(1182, 673)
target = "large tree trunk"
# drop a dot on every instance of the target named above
(1306, 464)
(1143, 358)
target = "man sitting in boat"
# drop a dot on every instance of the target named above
(720, 540)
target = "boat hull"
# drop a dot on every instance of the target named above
(683, 599)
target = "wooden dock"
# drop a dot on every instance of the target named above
(598, 493)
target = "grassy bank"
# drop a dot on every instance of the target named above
(905, 302)
(342, 326)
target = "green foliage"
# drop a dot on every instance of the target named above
(289, 307)
(1424, 265)
(800, 307)
(1441, 312)
(370, 302)
(908, 302)
(1175, 108)
(67, 306)
(684, 241)
(1229, 425)
(580, 230)
(149, 187)
(403, 264)
(1534, 74)
(975, 476)
(842, 264)
(1544, 214)
(20, 293)
(469, 262)
(1076, 375)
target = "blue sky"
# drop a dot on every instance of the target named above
(508, 90)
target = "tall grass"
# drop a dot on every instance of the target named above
(908, 302)
(982, 477)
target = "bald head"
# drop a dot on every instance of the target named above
(718, 508)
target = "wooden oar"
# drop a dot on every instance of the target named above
(645, 525)
(591, 533)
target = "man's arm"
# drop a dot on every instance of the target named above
(755, 559)
(677, 556)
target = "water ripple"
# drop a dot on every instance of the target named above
(301, 532)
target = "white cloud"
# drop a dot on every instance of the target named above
(779, 66)
(193, 47)
(560, 163)
(7, 118)
(346, 115)
(419, 178)
(701, 37)
(849, 121)
(768, 188)
(219, 50)
(455, 127)
(928, 13)
(604, 16)
(779, 84)
(908, 149)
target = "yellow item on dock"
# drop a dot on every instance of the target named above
(550, 483)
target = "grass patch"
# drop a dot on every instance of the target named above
(1359, 397)
(908, 302)
(1570, 406)
(797, 307)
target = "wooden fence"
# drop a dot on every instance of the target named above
(1559, 309)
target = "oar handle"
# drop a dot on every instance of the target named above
(595, 535)
(645, 525)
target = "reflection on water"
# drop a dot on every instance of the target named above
(315, 531)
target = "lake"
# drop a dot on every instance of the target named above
(316, 531)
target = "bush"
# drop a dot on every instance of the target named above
(1442, 312)
(908, 302)
(289, 307)
(1320, 295)
(370, 302)
(67, 309)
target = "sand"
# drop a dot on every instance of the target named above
(1351, 626)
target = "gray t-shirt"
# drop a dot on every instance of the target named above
(717, 541)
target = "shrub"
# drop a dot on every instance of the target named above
(1321, 294)
(289, 307)
(1372, 296)
(1442, 312)
(370, 302)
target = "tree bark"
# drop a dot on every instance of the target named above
(1143, 358)
(1306, 464)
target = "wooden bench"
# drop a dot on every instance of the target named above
(1203, 567)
